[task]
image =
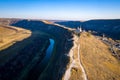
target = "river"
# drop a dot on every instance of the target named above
(43, 64)
(49, 50)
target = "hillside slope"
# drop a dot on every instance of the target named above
(9, 35)
(109, 27)
(97, 59)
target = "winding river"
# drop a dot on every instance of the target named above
(49, 50)
(43, 64)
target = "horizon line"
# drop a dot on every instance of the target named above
(61, 19)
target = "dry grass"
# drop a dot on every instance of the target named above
(76, 74)
(9, 35)
(97, 59)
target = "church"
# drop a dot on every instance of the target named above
(78, 30)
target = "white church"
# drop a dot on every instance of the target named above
(78, 30)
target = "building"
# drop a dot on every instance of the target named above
(78, 30)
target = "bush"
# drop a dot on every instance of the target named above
(88, 34)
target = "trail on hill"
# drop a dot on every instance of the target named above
(73, 62)
(68, 71)
(80, 64)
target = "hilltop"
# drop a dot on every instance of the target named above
(91, 59)
(97, 59)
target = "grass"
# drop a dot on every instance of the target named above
(9, 35)
(98, 60)
(76, 74)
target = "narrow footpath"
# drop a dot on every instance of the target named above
(80, 64)
(73, 62)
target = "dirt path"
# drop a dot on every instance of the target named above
(68, 71)
(84, 75)
(73, 62)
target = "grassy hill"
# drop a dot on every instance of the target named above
(97, 59)
(9, 35)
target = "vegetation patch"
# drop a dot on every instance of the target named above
(97, 59)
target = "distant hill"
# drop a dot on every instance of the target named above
(111, 28)
(71, 24)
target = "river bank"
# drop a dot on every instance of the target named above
(17, 59)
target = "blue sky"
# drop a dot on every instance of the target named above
(60, 9)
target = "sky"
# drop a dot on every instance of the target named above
(60, 9)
